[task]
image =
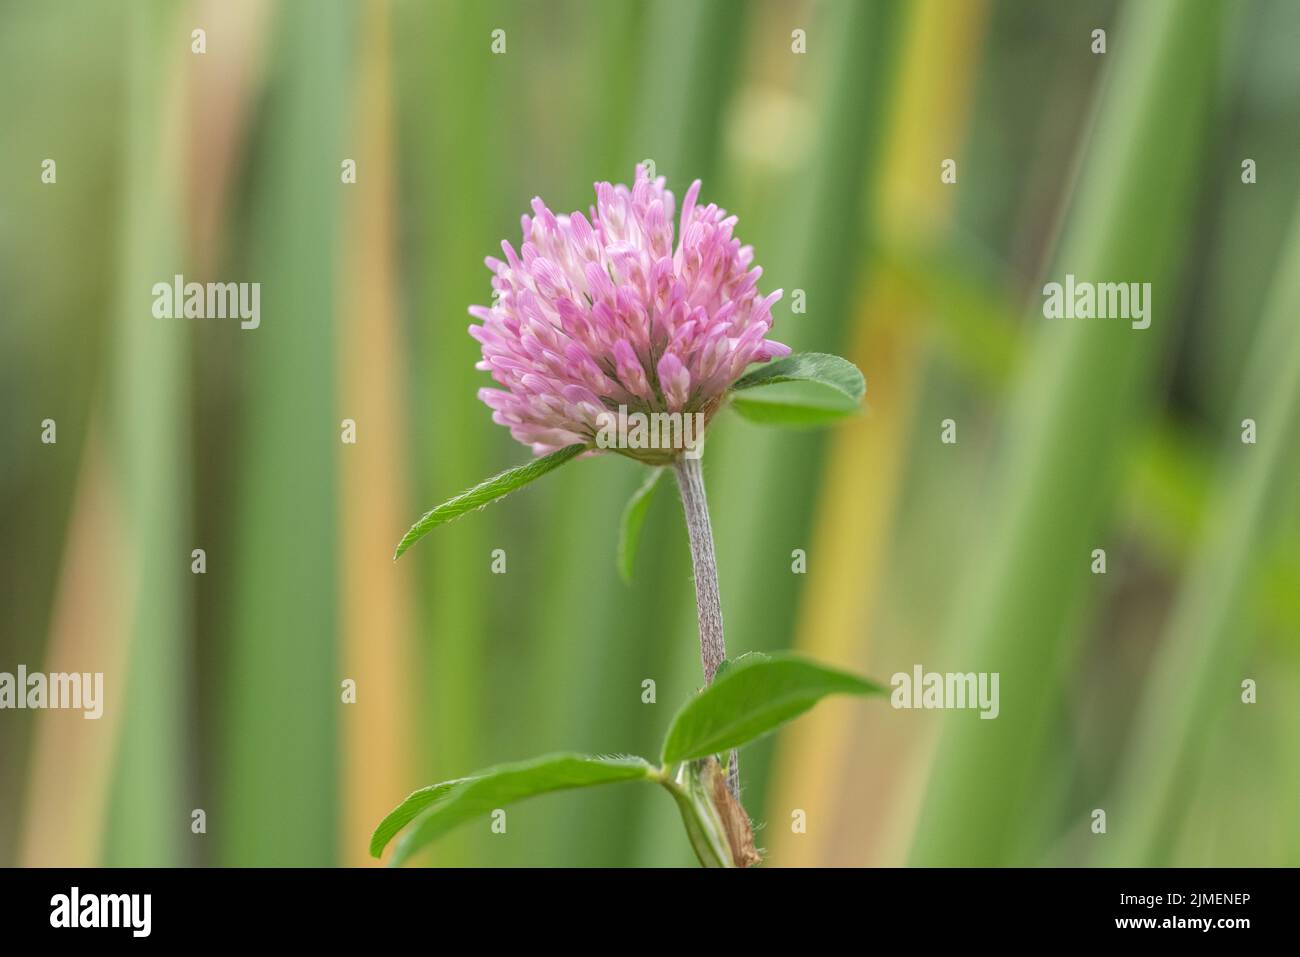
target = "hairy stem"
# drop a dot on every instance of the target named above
(713, 649)
(708, 600)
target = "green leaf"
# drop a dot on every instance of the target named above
(633, 518)
(796, 405)
(445, 806)
(755, 695)
(800, 391)
(494, 488)
(831, 371)
(408, 811)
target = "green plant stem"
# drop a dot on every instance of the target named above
(708, 600)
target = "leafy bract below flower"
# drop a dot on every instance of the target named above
(594, 314)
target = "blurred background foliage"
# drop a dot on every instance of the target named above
(1119, 692)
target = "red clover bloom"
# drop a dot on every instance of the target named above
(596, 314)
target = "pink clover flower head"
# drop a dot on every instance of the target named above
(610, 310)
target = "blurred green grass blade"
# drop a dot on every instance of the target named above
(500, 786)
(689, 77)
(629, 534)
(279, 768)
(486, 492)
(752, 697)
(148, 426)
(1196, 674)
(461, 169)
(1070, 421)
(828, 370)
